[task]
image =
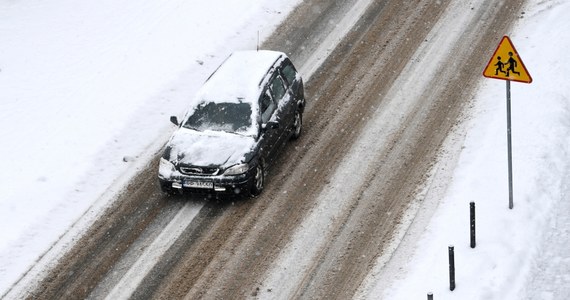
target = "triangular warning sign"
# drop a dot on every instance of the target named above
(506, 64)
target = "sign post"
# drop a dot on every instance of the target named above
(506, 64)
(509, 145)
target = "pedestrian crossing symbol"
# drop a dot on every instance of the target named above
(506, 64)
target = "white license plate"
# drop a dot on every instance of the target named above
(199, 184)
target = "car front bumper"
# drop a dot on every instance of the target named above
(219, 184)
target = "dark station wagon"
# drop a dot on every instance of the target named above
(244, 113)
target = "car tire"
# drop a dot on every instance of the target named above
(297, 124)
(258, 181)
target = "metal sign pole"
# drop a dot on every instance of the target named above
(509, 144)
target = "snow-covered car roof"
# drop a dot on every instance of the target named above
(239, 78)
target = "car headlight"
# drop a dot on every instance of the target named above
(237, 169)
(166, 168)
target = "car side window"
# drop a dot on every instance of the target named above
(267, 106)
(277, 88)
(289, 72)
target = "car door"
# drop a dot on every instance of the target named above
(284, 112)
(295, 88)
(269, 136)
(293, 79)
(289, 100)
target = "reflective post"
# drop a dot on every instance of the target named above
(430, 296)
(472, 218)
(451, 269)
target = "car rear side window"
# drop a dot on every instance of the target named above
(289, 72)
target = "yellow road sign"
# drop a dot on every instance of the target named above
(506, 64)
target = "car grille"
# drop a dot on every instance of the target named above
(204, 171)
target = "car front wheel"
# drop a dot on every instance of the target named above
(259, 181)
(166, 187)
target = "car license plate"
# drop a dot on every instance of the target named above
(199, 184)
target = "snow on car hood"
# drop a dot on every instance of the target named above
(196, 148)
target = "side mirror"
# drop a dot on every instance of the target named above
(174, 120)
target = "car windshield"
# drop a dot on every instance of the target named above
(228, 117)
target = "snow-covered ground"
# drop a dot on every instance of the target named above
(93, 103)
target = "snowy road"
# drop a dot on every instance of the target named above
(380, 106)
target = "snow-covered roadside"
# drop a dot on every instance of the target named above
(86, 90)
(521, 253)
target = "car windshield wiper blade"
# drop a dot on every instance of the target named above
(190, 127)
(238, 133)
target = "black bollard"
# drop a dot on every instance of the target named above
(472, 208)
(451, 269)
(430, 296)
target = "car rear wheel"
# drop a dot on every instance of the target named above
(259, 181)
(297, 125)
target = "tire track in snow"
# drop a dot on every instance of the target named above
(155, 252)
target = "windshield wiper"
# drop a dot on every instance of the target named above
(191, 128)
